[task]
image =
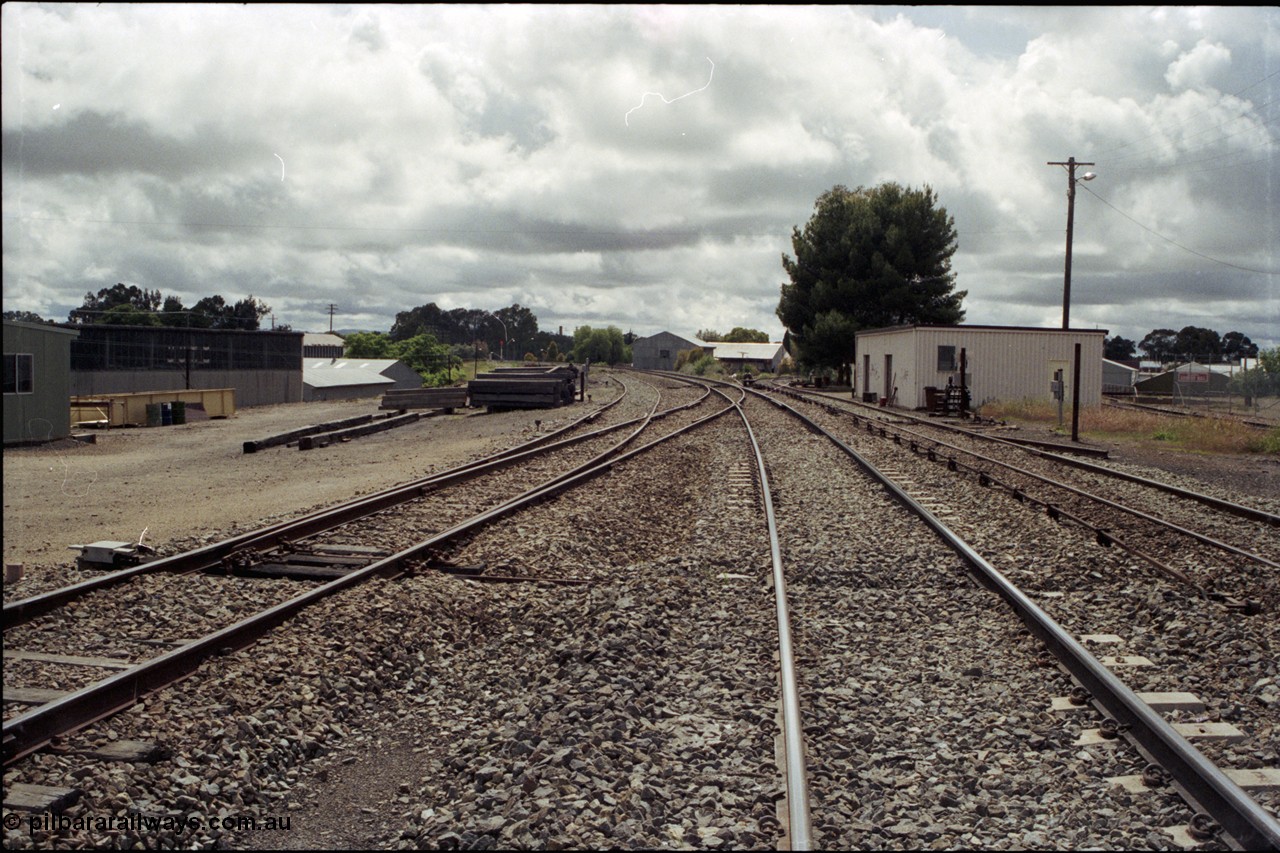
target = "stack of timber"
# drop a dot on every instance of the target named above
(425, 398)
(293, 435)
(311, 442)
(525, 387)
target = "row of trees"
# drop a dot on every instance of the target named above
(512, 330)
(738, 335)
(130, 305)
(1191, 343)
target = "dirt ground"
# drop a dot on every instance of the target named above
(194, 480)
(1241, 475)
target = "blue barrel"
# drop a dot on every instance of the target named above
(166, 414)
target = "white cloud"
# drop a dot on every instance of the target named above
(479, 155)
(1198, 66)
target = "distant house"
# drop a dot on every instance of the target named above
(37, 382)
(659, 352)
(354, 378)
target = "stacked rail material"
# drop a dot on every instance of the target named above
(311, 442)
(295, 434)
(524, 388)
(425, 398)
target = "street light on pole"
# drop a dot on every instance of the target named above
(1070, 166)
(502, 346)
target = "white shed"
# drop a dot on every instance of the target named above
(758, 357)
(1001, 362)
(353, 378)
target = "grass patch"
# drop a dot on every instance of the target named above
(1193, 435)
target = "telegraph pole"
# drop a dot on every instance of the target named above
(1071, 218)
(333, 308)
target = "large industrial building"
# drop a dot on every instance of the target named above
(898, 363)
(263, 367)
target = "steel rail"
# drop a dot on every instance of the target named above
(1227, 417)
(20, 612)
(30, 731)
(1199, 781)
(799, 827)
(1107, 502)
(1252, 513)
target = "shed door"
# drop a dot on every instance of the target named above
(888, 376)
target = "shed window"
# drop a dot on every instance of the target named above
(19, 373)
(664, 353)
(947, 358)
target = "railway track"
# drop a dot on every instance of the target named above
(636, 703)
(1188, 413)
(843, 578)
(1217, 547)
(316, 547)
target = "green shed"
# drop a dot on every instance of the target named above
(1190, 379)
(37, 382)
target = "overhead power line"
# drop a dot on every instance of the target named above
(1175, 242)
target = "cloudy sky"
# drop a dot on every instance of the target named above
(636, 166)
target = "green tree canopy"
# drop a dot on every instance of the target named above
(868, 258)
(1236, 345)
(1197, 344)
(1118, 348)
(599, 345)
(738, 335)
(129, 305)
(1158, 345)
(367, 345)
(25, 317)
(95, 307)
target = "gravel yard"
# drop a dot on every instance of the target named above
(400, 733)
(182, 484)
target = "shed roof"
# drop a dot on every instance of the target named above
(976, 328)
(343, 378)
(335, 373)
(43, 327)
(322, 339)
(750, 352)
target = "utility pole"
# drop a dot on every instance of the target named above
(332, 310)
(1071, 218)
